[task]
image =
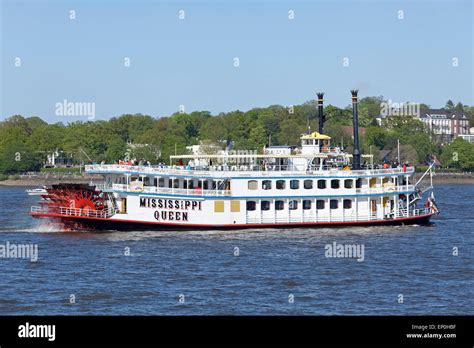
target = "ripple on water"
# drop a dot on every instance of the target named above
(272, 264)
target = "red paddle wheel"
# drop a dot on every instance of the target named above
(81, 198)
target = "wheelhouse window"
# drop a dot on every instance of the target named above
(306, 204)
(347, 204)
(333, 203)
(320, 204)
(308, 184)
(251, 205)
(348, 183)
(252, 185)
(267, 184)
(280, 184)
(293, 205)
(279, 205)
(321, 184)
(335, 184)
(294, 184)
(265, 205)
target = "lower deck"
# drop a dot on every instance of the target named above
(182, 212)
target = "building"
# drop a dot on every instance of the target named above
(58, 159)
(467, 137)
(445, 125)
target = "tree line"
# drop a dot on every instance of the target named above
(26, 141)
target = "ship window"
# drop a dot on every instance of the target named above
(267, 184)
(235, 206)
(321, 184)
(306, 204)
(333, 203)
(348, 183)
(265, 205)
(294, 184)
(359, 183)
(335, 184)
(176, 183)
(293, 205)
(251, 205)
(279, 205)
(347, 204)
(280, 184)
(320, 204)
(308, 184)
(218, 206)
(252, 185)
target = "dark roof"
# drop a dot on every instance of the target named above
(453, 114)
(348, 130)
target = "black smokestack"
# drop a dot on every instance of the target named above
(322, 119)
(355, 126)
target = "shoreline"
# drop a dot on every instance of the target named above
(438, 179)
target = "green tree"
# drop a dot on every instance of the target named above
(459, 154)
(449, 105)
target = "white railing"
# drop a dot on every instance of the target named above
(73, 211)
(237, 170)
(385, 189)
(163, 190)
(255, 218)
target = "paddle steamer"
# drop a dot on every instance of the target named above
(313, 185)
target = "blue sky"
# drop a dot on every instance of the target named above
(190, 62)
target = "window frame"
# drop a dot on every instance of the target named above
(251, 182)
(293, 204)
(277, 205)
(269, 182)
(320, 202)
(310, 201)
(267, 207)
(279, 182)
(250, 202)
(293, 181)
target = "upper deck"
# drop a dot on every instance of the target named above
(239, 171)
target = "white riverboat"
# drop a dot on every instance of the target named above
(315, 184)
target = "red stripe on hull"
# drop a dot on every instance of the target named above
(115, 224)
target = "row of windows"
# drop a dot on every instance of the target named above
(293, 204)
(307, 184)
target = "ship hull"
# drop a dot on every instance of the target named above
(107, 224)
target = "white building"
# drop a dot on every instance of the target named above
(446, 125)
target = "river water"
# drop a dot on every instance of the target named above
(407, 270)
